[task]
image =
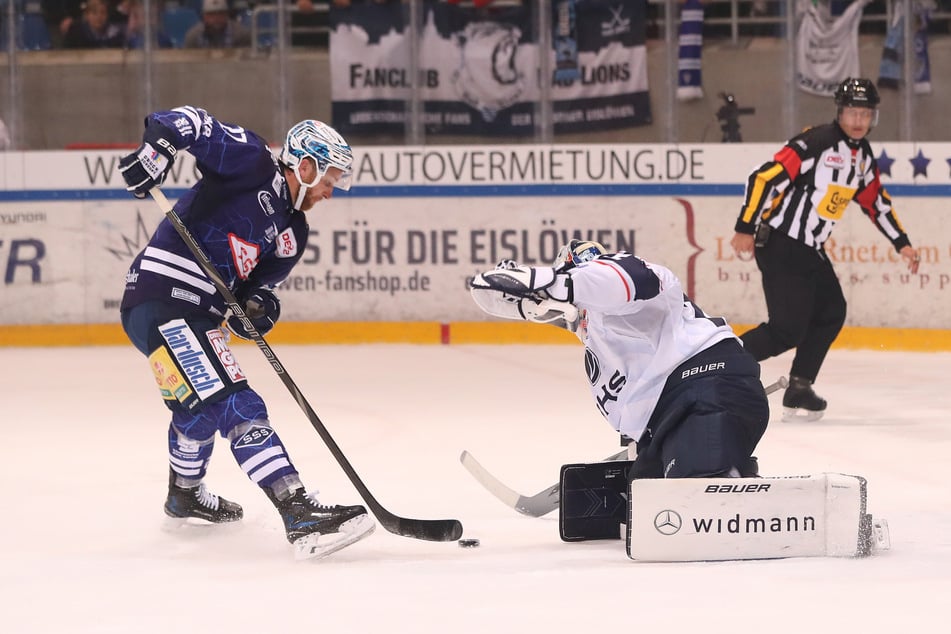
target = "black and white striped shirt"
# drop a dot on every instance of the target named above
(809, 183)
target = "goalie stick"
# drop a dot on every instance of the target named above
(546, 500)
(432, 530)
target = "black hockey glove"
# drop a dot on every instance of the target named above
(262, 307)
(148, 166)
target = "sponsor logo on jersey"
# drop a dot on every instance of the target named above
(591, 366)
(220, 345)
(833, 204)
(167, 377)
(190, 356)
(255, 436)
(188, 296)
(836, 161)
(609, 392)
(245, 255)
(188, 445)
(286, 244)
(132, 276)
(701, 369)
(264, 199)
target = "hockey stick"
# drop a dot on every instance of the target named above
(546, 500)
(432, 530)
(542, 503)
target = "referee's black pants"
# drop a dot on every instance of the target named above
(804, 301)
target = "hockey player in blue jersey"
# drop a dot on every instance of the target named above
(661, 372)
(247, 213)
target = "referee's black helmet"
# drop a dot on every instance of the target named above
(858, 93)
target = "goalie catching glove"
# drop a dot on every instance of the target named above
(537, 294)
(262, 308)
(148, 166)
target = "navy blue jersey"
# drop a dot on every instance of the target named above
(240, 212)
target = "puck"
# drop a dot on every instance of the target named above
(468, 543)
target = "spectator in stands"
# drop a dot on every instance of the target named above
(135, 28)
(217, 29)
(94, 29)
(59, 15)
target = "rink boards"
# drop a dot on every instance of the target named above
(391, 260)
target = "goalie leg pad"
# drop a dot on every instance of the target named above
(714, 519)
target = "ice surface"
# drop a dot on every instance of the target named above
(84, 546)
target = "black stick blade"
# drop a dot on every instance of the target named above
(429, 530)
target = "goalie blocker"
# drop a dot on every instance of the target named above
(713, 519)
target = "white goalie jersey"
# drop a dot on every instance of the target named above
(633, 317)
(638, 326)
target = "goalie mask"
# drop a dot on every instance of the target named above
(324, 145)
(577, 252)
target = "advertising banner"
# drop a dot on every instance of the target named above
(478, 69)
(420, 221)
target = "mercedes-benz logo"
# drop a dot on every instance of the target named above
(668, 522)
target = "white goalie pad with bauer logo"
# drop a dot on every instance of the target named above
(714, 519)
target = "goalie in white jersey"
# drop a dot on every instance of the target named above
(661, 371)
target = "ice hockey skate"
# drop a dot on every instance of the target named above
(200, 504)
(316, 530)
(801, 403)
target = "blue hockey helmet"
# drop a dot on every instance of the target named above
(577, 252)
(323, 144)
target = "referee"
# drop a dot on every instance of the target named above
(791, 205)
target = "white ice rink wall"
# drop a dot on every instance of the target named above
(420, 221)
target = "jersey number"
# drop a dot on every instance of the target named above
(236, 132)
